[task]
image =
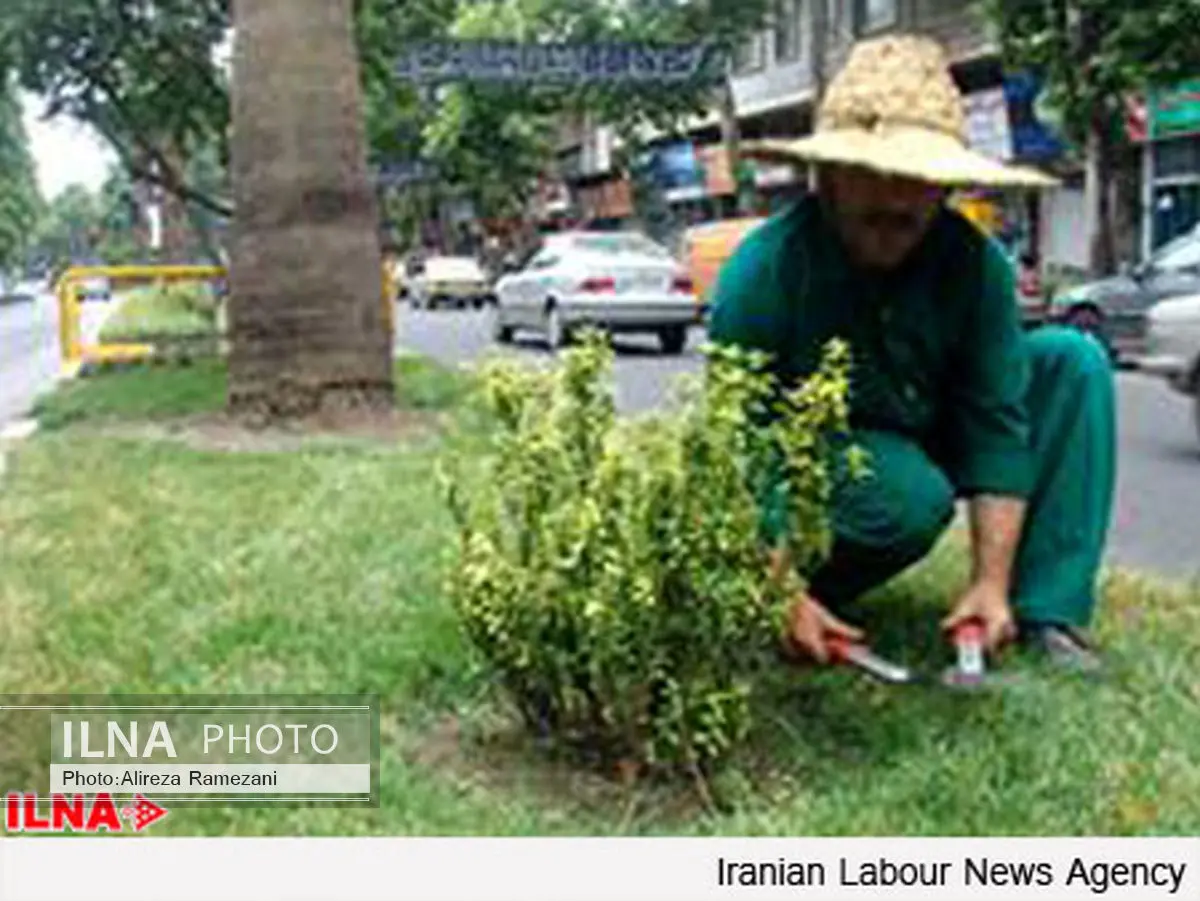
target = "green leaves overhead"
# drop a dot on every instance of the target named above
(141, 73)
(146, 75)
(20, 202)
(1094, 53)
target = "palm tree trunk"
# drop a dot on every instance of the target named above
(308, 330)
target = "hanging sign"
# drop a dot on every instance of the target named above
(573, 63)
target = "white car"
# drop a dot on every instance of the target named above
(448, 281)
(95, 288)
(616, 281)
(1173, 345)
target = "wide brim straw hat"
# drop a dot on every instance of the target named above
(894, 109)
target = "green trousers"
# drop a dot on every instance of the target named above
(890, 520)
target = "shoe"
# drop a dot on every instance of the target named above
(1064, 646)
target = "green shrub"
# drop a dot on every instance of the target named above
(611, 572)
(167, 310)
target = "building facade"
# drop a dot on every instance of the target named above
(775, 83)
(1171, 165)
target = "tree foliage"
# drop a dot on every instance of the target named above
(1094, 57)
(499, 137)
(20, 200)
(71, 228)
(1094, 53)
(140, 72)
(145, 75)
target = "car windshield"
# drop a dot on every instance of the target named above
(620, 243)
(1182, 253)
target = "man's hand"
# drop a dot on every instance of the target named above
(810, 626)
(987, 603)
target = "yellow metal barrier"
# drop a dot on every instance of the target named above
(76, 353)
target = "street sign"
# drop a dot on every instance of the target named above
(505, 61)
(1175, 113)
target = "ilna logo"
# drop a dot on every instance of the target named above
(78, 813)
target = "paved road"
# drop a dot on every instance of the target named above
(1156, 524)
(29, 354)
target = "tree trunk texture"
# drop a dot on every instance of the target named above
(1098, 192)
(309, 333)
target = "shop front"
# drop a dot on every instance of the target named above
(607, 204)
(1171, 161)
(1003, 123)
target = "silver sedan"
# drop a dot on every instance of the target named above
(616, 281)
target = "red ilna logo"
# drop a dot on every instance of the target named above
(77, 813)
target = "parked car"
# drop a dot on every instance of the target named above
(19, 292)
(1173, 347)
(95, 288)
(618, 281)
(448, 281)
(403, 271)
(705, 248)
(1114, 309)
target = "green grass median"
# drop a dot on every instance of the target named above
(134, 566)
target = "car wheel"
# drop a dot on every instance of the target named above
(556, 332)
(673, 339)
(501, 332)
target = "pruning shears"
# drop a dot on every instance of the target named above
(968, 673)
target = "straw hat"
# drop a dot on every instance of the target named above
(895, 109)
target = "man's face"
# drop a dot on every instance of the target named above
(881, 219)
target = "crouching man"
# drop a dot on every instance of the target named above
(949, 396)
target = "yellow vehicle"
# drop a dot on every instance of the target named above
(705, 248)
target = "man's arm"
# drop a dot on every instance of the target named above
(992, 462)
(996, 524)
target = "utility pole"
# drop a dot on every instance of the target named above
(818, 55)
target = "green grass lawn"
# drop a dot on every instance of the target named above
(145, 392)
(132, 566)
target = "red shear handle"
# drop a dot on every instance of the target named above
(839, 648)
(969, 632)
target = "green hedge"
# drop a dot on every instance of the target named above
(179, 310)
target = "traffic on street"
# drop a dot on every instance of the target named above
(1157, 514)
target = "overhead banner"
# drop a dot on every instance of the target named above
(504, 61)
